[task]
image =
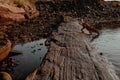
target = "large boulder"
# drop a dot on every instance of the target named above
(9, 17)
(5, 49)
(14, 12)
(5, 76)
(11, 8)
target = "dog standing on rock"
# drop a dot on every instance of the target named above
(89, 28)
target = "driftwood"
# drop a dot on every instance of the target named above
(71, 57)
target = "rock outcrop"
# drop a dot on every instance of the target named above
(71, 57)
(5, 76)
(5, 49)
(14, 13)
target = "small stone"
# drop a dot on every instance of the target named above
(41, 43)
(39, 49)
(101, 53)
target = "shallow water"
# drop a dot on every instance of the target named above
(31, 58)
(109, 43)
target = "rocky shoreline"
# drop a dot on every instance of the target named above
(68, 60)
(42, 21)
(33, 29)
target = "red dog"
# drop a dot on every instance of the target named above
(89, 28)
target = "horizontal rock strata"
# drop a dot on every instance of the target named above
(71, 57)
(12, 13)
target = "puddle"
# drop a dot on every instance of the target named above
(31, 58)
(109, 43)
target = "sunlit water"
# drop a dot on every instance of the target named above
(109, 43)
(31, 58)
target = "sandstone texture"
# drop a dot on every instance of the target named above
(71, 57)
(4, 50)
(5, 75)
(14, 13)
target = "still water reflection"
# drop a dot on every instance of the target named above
(31, 57)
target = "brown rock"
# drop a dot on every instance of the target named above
(5, 76)
(10, 13)
(76, 60)
(31, 11)
(12, 8)
(34, 15)
(3, 28)
(15, 38)
(8, 17)
(4, 50)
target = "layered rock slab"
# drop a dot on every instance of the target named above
(14, 13)
(71, 57)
